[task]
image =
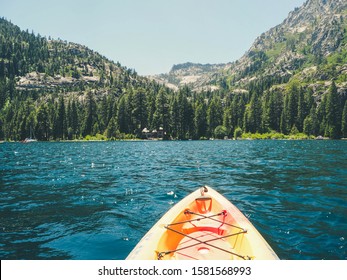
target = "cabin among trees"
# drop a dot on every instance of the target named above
(119, 104)
(154, 134)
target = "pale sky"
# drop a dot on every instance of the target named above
(152, 35)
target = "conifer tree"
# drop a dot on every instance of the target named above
(214, 114)
(174, 117)
(333, 113)
(103, 113)
(151, 107)
(184, 118)
(122, 115)
(129, 104)
(302, 110)
(310, 123)
(112, 129)
(252, 119)
(74, 120)
(60, 128)
(161, 114)
(90, 115)
(42, 126)
(139, 113)
(200, 121)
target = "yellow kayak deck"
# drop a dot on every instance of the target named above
(203, 226)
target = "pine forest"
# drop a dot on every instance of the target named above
(65, 91)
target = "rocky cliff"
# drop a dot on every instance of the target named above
(309, 44)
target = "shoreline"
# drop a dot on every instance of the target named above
(175, 140)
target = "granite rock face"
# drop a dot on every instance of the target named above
(309, 34)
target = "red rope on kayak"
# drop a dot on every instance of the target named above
(194, 220)
(204, 242)
(224, 213)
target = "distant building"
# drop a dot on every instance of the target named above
(146, 133)
(160, 133)
(154, 134)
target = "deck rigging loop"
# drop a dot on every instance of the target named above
(204, 202)
(203, 190)
(161, 255)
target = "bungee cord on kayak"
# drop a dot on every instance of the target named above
(206, 242)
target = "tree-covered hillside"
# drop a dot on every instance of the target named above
(59, 89)
(63, 90)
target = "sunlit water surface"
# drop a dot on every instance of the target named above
(95, 200)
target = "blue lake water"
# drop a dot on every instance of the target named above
(95, 200)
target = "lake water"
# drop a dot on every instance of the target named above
(95, 200)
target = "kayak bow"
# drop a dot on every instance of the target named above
(203, 226)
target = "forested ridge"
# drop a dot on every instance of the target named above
(65, 91)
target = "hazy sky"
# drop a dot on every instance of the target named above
(152, 35)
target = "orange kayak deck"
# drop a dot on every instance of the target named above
(203, 226)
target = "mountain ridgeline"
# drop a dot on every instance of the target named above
(292, 81)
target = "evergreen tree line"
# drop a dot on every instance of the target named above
(120, 104)
(182, 115)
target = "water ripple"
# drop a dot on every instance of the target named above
(96, 200)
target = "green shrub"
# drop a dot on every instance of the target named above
(237, 133)
(220, 132)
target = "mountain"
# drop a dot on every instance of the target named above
(65, 90)
(199, 76)
(292, 83)
(310, 44)
(40, 63)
